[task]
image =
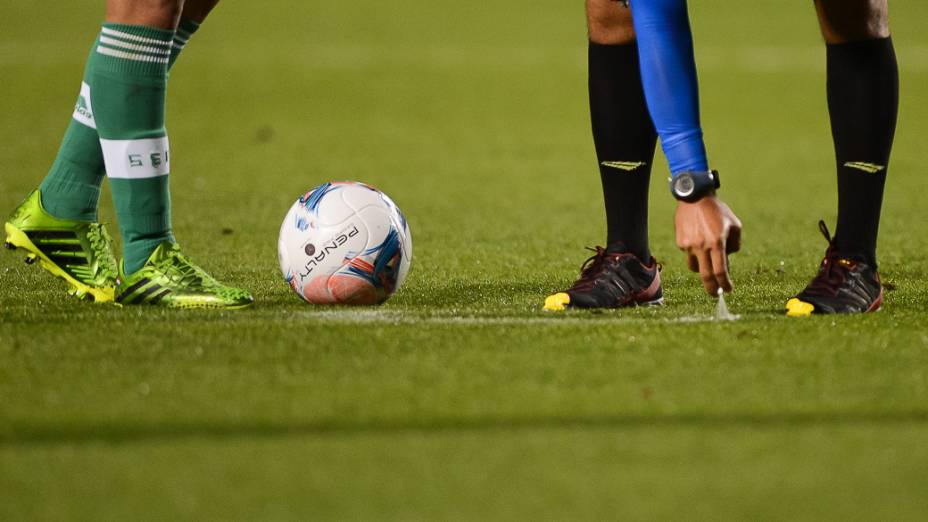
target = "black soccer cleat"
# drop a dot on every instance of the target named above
(843, 286)
(611, 280)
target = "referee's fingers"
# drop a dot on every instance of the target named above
(706, 273)
(692, 262)
(720, 268)
(733, 242)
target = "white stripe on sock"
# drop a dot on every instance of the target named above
(131, 56)
(181, 37)
(136, 159)
(127, 36)
(133, 47)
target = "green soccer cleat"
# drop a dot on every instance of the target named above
(76, 251)
(170, 279)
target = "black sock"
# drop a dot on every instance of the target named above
(625, 140)
(863, 99)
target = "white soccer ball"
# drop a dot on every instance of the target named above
(344, 242)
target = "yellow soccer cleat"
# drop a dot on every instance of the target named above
(169, 278)
(76, 251)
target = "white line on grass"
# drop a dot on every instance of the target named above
(404, 318)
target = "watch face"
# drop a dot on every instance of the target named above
(684, 185)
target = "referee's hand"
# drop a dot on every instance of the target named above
(707, 230)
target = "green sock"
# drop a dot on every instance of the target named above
(128, 71)
(71, 190)
(185, 30)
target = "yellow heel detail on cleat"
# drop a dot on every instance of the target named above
(556, 302)
(797, 308)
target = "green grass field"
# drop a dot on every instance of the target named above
(459, 398)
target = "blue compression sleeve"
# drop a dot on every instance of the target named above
(668, 72)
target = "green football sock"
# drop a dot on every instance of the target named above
(185, 30)
(128, 71)
(71, 190)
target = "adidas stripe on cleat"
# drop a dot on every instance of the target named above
(143, 291)
(611, 280)
(169, 278)
(843, 285)
(78, 252)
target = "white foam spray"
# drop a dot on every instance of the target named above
(721, 309)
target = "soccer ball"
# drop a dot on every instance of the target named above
(344, 242)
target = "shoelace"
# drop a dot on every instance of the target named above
(831, 275)
(834, 269)
(592, 268)
(101, 244)
(181, 270)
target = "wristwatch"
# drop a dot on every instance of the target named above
(693, 186)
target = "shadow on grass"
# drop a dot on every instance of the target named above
(25, 435)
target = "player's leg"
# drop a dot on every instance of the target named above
(194, 13)
(56, 224)
(863, 99)
(623, 273)
(128, 83)
(197, 10)
(71, 189)
(623, 134)
(129, 75)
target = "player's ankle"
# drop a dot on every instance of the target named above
(636, 248)
(137, 252)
